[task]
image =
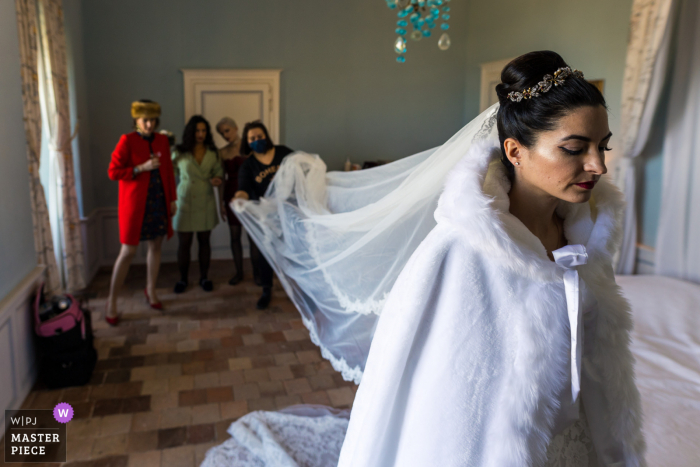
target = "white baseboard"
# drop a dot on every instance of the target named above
(17, 359)
(101, 242)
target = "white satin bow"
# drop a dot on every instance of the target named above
(569, 257)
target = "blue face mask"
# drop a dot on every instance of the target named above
(259, 146)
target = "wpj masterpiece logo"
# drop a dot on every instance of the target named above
(37, 435)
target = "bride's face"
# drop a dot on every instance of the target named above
(568, 161)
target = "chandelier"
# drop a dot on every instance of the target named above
(422, 16)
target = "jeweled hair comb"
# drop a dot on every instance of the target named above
(546, 84)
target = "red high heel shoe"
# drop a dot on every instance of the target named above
(155, 306)
(112, 320)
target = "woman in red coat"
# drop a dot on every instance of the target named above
(141, 163)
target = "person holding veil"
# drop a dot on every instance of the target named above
(503, 339)
(254, 176)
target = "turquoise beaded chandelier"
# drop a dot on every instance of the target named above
(423, 16)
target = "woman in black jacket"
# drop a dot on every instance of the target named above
(254, 177)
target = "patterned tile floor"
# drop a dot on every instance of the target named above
(168, 384)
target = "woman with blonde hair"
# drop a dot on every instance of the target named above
(232, 161)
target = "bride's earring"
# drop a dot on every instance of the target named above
(517, 163)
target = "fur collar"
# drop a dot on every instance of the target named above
(475, 199)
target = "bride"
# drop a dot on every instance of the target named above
(503, 339)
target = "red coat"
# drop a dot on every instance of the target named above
(133, 150)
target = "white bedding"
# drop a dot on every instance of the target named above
(666, 344)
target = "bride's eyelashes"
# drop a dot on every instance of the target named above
(576, 152)
(571, 152)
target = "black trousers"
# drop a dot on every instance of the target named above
(266, 272)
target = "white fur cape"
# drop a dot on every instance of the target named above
(472, 347)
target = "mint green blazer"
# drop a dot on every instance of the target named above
(196, 202)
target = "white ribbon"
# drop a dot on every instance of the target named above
(569, 257)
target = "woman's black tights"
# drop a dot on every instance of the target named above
(183, 253)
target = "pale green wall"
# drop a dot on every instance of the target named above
(650, 199)
(650, 172)
(17, 257)
(342, 91)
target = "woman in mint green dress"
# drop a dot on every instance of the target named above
(198, 170)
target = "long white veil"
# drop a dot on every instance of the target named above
(338, 240)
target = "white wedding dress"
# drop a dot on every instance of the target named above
(338, 242)
(300, 436)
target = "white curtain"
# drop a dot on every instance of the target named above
(55, 110)
(678, 240)
(28, 25)
(645, 70)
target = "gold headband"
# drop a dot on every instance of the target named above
(145, 110)
(546, 84)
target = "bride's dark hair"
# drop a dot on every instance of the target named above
(523, 120)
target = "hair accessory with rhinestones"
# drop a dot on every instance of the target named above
(546, 84)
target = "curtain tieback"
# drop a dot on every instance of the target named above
(569, 257)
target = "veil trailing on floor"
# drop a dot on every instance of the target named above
(338, 240)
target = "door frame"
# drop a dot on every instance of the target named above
(267, 81)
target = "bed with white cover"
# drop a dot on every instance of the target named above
(666, 344)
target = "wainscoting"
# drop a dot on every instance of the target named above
(101, 242)
(17, 362)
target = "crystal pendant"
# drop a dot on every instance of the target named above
(444, 42)
(400, 45)
(416, 35)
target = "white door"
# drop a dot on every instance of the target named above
(243, 95)
(242, 105)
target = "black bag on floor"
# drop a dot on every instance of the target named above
(67, 356)
(70, 368)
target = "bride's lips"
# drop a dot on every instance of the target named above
(586, 185)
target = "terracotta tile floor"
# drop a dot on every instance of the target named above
(168, 384)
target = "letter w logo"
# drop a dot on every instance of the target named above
(63, 413)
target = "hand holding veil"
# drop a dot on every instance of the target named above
(338, 240)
